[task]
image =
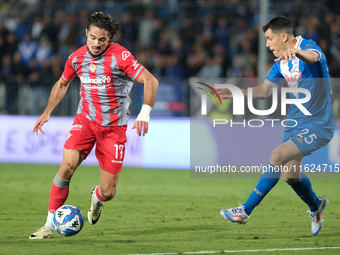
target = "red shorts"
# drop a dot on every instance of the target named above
(110, 142)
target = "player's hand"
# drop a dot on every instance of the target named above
(141, 127)
(224, 93)
(287, 55)
(40, 122)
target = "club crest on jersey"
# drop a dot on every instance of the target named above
(125, 54)
(92, 67)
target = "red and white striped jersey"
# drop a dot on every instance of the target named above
(106, 82)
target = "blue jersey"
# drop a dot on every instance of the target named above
(313, 77)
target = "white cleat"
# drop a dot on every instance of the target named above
(42, 233)
(95, 210)
(237, 214)
(317, 221)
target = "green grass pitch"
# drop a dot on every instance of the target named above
(162, 211)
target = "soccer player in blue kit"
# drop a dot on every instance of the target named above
(302, 64)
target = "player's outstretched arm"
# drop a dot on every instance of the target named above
(260, 92)
(141, 124)
(307, 56)
(57, 93)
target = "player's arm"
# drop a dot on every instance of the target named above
(307, 56)
(57, 93)
(259, 92)
(150, 92)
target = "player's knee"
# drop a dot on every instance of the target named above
(290, 180)
(66, 171)
(277, 157)
(108, 194)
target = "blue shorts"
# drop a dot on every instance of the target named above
(309, 137)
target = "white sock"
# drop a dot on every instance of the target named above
(49, 221)
(95, 198)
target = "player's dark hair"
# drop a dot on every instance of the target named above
(279, 25)
(104, 21)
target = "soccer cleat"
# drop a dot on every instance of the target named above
(95, 210)
(317, 221)
(237, 214)
(42, 233)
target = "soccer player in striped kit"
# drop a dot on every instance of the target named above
(107, 71)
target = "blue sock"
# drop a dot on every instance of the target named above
(266, 182)
(303, 188)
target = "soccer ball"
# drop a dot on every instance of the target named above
(68, 220)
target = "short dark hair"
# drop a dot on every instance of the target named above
(104, 21)
(279, 24)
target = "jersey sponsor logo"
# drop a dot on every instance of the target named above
(135, 64)
(125, 54)
(104, 79)
(92, 67)
(96, 87)
(117, 161)
(293, 78)
(76, 127)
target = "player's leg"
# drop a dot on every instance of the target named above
(60, 185)
(77, 146)
(108, 185)
(292, 174)
(59, 190)
(106, 191)
(307, 139)
(110, 152)
(302, 185)
(267, 181)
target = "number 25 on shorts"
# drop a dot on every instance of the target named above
(308, 138)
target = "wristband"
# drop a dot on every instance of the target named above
(144, 114)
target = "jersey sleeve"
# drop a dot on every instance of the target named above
(274, 77)
(129, 65)
(312, 46)
(69, 72)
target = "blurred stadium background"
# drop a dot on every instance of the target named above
(174, 39)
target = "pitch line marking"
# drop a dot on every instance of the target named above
(239, 251)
